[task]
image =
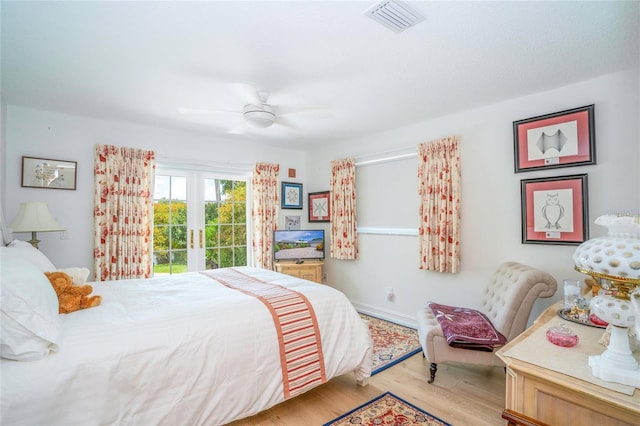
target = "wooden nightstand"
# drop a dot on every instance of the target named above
(549, 394)
(309, 270)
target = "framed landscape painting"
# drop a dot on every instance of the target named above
(555, 210)
(562, 139)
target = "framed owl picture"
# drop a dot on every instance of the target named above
(555, 210)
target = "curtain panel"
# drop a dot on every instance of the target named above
(344, 235)
(439, 186)
(123, 216)
(264, 212)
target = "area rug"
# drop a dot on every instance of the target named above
(387, 409)
(392, 342)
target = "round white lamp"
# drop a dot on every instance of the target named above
(615, 258)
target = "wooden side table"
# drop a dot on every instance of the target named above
(548, 395)
(308, 270)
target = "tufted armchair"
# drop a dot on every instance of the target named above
(507, 302)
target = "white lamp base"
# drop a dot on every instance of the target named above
(617, 363)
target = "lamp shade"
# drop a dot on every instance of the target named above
(34, 217)
(616, 255)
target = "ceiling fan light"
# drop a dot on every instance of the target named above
(259, 116)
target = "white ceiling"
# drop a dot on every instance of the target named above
(142, 61)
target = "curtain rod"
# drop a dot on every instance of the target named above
(386, 159)
(200, 165)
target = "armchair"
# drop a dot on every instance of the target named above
(507, 302)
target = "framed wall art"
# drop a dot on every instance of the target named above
(291, 195)
(292, 223)
(319, 206)
(555, 210)
(562, 139)
(48, 173)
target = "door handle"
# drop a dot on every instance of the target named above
(191, 239)
(200, 237)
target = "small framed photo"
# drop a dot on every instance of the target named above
(319, 206)
(555, 210)
(292, 223)
(48, 173)
(291, 195)
(562, 139)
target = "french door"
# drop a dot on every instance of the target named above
(200, 222)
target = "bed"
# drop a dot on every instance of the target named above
(195, 348)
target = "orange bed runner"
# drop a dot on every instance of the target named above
(296, 324)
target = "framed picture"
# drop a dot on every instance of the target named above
(291, 195)
(555, 210)
(319, 206)
(48, 173)
(292, 223)
(561, 139)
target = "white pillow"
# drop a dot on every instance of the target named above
(32, 254)
(31, 325)
(79, 275)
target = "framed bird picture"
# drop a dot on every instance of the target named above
(555, 210)
(561, 139)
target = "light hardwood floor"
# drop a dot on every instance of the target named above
(461, 395)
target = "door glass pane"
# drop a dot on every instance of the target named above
(179, 261)
(211, 259)
(170, 224)
(226, 235)
(226, 223)
(226, 257)
(240, 255)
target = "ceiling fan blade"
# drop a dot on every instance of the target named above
(249, 93)
(314, 111)
(239, 129)
(285, 122)
(196, 111)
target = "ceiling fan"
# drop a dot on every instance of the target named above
(257, 112)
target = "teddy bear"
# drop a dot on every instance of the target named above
(71, 297)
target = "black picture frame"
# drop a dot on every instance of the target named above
(319, 204)
(561, 139)
(555, 210)
(48, 173)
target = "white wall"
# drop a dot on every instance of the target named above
(491, 227)
(491, 190)
(45, 134)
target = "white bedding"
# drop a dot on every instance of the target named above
(178, 350)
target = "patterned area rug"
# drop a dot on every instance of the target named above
(387, 409)
(392, 343)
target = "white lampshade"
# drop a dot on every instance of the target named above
(34, 217)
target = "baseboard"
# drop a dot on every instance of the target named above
(395, 317)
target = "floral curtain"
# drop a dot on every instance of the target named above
(123, 197)
(344, 236)
(439, 205)
(264, 212)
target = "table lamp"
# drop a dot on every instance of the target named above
(616, 260)
(34, 217)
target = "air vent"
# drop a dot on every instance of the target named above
(395, 15)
